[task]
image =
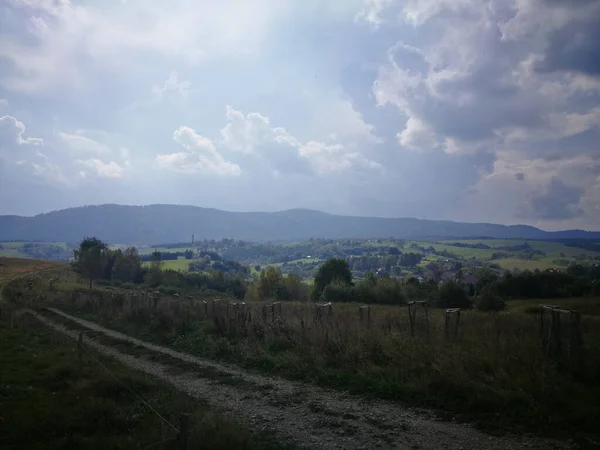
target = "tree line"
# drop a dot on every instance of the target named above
(334, 282)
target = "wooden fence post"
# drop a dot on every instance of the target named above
(184, 421)
(80, 350)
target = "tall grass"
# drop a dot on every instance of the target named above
(49, 401)
(495, 373)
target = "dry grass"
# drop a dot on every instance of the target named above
(49, 401)
(494, 373)
(12, 268)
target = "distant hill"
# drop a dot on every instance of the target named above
(172, 223)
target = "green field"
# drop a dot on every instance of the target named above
(149, 250)
(524, 264)
(467, 253)
(180, 264)
(551, 248)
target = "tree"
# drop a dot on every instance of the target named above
(334, 269)
(155, 272)
(453, 295)
(127, 267)
(490, 300)
(90, 259)
(269, 282)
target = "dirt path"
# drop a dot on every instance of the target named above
(302, 414)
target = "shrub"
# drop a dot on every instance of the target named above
(490, 300)
(453, 295)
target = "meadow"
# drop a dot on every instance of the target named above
(181, 264)
(493, 372)
(12, 268)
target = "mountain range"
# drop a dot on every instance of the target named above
(154, 224)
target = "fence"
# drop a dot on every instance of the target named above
(418, 314)
(561, 337)
(181, 433)
(451, 323)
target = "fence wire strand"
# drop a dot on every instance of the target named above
(130, 390)
(160, 442)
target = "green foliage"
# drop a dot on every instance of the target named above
(272, 285)
(334, 269)
(490, 300)
(338, 291)
(90, 258)
(453, 295)
(47, 401)
(127, 266)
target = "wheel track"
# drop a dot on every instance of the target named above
(299, 413)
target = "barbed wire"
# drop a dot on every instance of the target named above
(130, 390)
(160, 442)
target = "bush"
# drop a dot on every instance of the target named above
(338, 292)
(489, 300)
(453, 295)
(169, 290)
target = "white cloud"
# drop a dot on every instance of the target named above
(173, 87)
(326, 158)
(417, 136)
(244, 133)
(12, 133)
(82, 144)
(59, 43)
(100, 168)
(253, 134)
(372, 10)
(48, 171)
(201, 156)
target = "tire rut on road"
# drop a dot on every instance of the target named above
(302, 414)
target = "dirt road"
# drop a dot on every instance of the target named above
(297, 413)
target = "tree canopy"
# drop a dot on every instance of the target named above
(334, 269)
(90, 258)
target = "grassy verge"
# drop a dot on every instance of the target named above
(48, 402)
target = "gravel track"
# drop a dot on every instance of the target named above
(301, 414)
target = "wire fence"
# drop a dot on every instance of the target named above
(418, 314)
(562, 338)
(181, 432)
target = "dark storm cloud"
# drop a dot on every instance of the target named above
(558, 201)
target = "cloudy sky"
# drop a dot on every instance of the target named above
(444, 109)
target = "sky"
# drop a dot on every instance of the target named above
(466, 110)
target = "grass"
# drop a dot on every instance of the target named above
(181, 264)
(524, 264)
(496, 375)
(149, 250)
(47, 401)
(551, 248)
(464, 252)
(11, 268)
(585, 305)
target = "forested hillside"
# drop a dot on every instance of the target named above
(173, 223)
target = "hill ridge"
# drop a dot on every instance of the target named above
(147, 224)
